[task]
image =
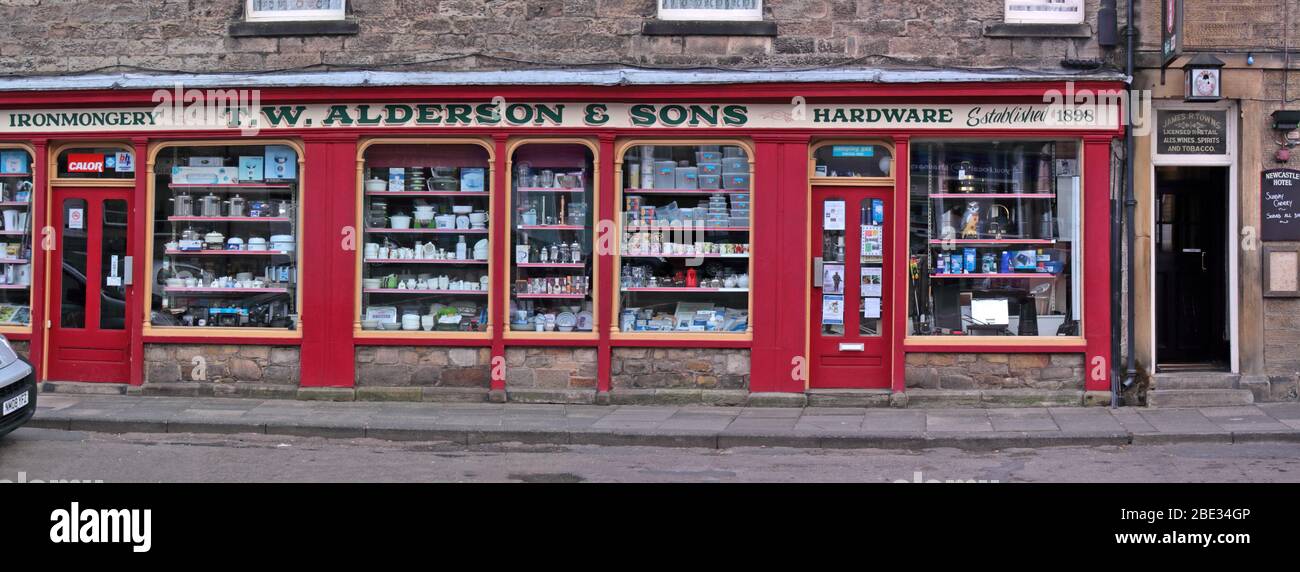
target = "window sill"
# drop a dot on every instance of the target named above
(706, 28)
(311, 28)
(1004, 30)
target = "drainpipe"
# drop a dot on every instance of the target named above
(1106, 38)
(1130, 206)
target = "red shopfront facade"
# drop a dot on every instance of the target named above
(719, 242)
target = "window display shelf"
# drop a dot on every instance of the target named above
(232, 186)
(687, 256)
(471, 194)
(974, 275)
(642, 228)
(14, 204)
(554, 296)
(229, 219)
(451, 261)
(13, 233)
(550, 265)
(550, 227)
(427, 230)
(13, 286)
(424, 291)
(221, 252)
(684, 289)
(685, 191)
(994, 241)
(549, 190)
(993, 195)
(13, 261)
(200, 290)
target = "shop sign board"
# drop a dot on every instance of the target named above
(1192, 132)
(85, 163)
(1280, 205)
(1095, 113)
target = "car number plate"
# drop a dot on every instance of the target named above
(15, 404)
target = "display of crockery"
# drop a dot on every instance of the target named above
(584, 321)
(565, 321)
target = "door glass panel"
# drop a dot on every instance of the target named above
(72, 313)
(112, 298)
(871, 232)
(834, 267)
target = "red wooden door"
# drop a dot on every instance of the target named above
(89, 340)
(851, 325)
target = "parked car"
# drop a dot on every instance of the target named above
(17, 389)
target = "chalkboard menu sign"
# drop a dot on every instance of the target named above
(1280, 205)
(1191, 132)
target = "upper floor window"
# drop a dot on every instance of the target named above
(711, 10)
(294, 10)
(1043, 12)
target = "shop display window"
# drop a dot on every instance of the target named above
(225, 236)
(16, 190)
(552, 210)
(684, 254)
(425, 260)
(995, 238)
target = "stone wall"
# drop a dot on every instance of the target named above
(995, 371)
(550, 368)
(674, 368)
(221, 363)
(59, 36)
(423, 366)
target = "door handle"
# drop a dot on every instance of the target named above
(818, 263)
(127, 274)
(1203, 268)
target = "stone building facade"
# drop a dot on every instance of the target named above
(59, 37)
(42, 38)
(1250, 38)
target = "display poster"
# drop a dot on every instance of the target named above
(833, 215)
(833, 279)
(871, 307)
(832, 309)
(872, 281)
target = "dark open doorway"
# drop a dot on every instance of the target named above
(1192, 271)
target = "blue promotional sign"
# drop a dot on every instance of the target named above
(853, 151)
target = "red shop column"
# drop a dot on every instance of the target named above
(138, 308)
(605, 236)
(40, 200)
(779, 315)
(500, 268)
(1096, 262)
(328, 258)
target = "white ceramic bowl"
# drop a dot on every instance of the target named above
(370, 324)
(371, 282)
(376, 186)
(462, 209)
(400, 221)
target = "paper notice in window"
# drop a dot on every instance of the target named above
(833, 215)
(873, 240)
(832, 309)
(871, 307)
(872, 281)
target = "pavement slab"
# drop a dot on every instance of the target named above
(686, 426)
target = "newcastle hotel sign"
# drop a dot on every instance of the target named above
(203, 116)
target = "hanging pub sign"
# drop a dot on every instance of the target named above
(1280, 205)
(1191, 132)
(1171, 31)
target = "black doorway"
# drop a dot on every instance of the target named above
(1192, 268)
